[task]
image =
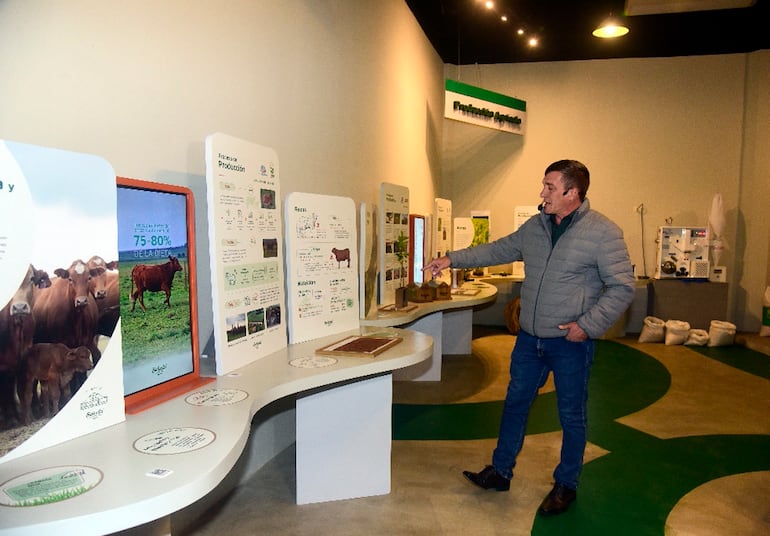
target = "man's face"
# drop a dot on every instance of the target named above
(556, 199)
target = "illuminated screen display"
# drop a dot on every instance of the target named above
(417, 248)
(157, 285)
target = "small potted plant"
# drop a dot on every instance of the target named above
(401, 250)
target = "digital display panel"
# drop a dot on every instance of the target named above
(156, 278)
(416, 248)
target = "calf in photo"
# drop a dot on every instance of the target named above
(53, 365)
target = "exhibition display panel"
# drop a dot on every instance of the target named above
(156, 246)
(245, 250)
(322, 265)
(58, 237)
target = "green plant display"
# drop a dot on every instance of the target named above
(401, 250)
(480, 231)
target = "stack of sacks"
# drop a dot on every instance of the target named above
(653, 330)
(674, 332)
(697, 337)
(677, 332)
(721, 333)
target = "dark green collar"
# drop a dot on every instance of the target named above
(558, 229)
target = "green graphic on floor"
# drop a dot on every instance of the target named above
(642, 477)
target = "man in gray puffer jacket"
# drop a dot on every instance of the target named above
(578, 283)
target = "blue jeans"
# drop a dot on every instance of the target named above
(531, 360)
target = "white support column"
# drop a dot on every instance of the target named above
(430, 369)
(344, 441)
(458, 331)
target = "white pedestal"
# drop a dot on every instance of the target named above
(457, 332)
(344, 440)
(430, 369)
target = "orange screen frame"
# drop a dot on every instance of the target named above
(162, 392)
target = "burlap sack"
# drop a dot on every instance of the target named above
(721, 333)
(697, 337)
(653, 330)
(677, 331)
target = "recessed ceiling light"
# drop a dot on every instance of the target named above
(520, 31)
(504, 18)
(489, 4)
(532, 41)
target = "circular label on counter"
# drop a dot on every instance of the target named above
(174, 440)
(49, 485)
(216, 397)
(313, 361)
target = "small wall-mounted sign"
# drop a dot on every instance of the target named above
(484, 108)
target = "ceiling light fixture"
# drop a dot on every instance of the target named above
(610, 28)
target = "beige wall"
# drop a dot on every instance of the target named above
(668, 133)
(346, 101)
(752, 244)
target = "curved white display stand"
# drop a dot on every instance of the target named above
(486, 294)
(131, 493)
(449, 322)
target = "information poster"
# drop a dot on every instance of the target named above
(322, 265)
(245, 237)
(520, 215)
(393, 221)
(58, 230)
(442, 229)
(367, 276)
(463, 233)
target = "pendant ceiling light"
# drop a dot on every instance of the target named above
(610, 28)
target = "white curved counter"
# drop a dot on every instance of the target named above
(128, 497)
(449, 322)
(487, 294)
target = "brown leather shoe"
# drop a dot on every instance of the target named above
(489, 478)
(557, 501)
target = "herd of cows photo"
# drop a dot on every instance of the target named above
(50, 330)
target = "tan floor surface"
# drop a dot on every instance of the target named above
(706, 397)
(430, 496)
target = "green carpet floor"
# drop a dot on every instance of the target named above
(639, 481)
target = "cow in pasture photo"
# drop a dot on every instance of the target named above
(153, 278)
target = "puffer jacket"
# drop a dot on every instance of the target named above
(587, 277)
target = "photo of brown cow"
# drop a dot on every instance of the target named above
(155, 287)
